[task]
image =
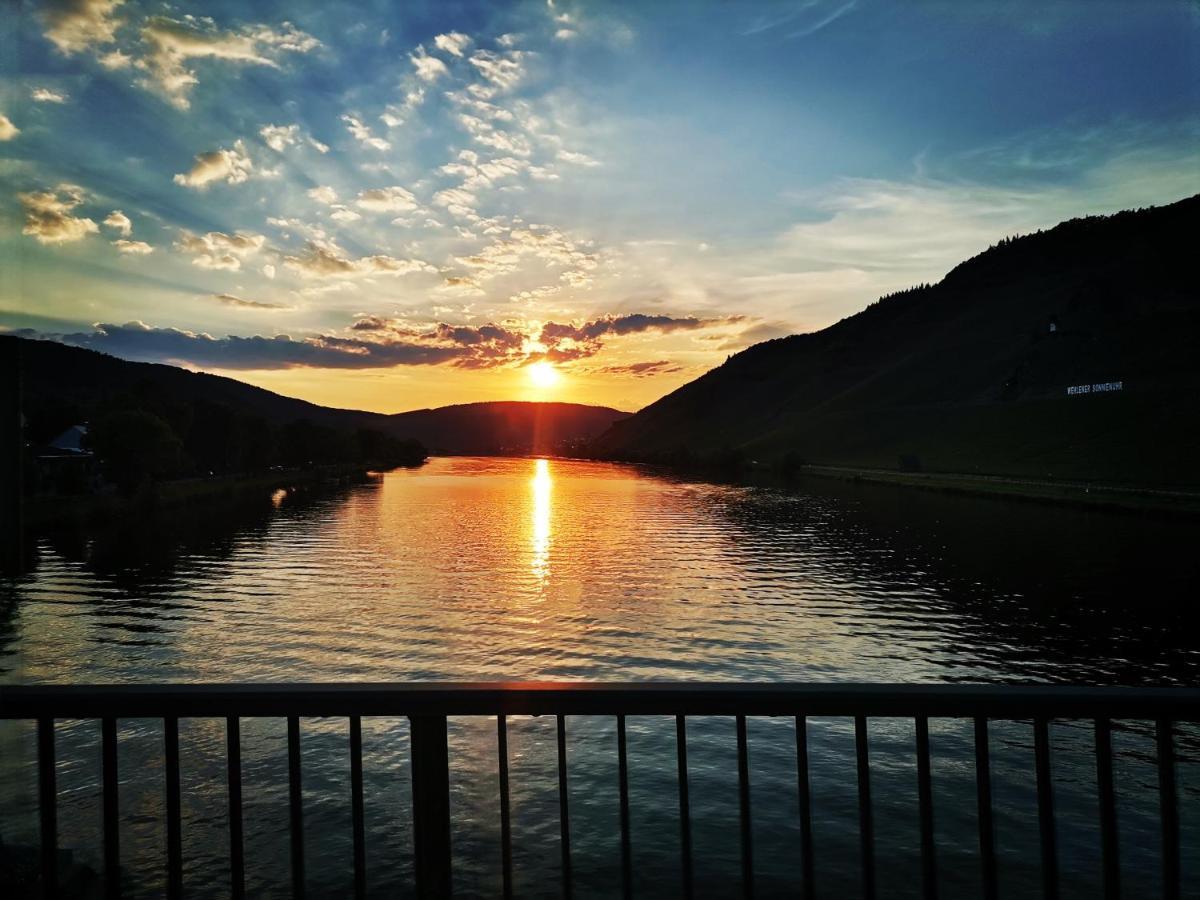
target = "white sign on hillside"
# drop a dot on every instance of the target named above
(1099, 388)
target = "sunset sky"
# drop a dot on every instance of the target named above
(397, 205)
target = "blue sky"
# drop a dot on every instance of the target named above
(400, 205)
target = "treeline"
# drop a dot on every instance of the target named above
(150, 437)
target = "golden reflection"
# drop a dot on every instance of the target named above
(542, 483)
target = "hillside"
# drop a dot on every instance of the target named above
(67, 385)
(971, 374)
(505, 426)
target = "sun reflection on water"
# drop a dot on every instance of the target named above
(542, 484)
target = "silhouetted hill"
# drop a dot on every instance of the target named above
(967, 375)
(505, 426)
(68, 385)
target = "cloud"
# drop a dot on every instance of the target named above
(218, 250)
(8, 130)
(827, 19)
(343, 214)
(475, 347)
(239, 303)
(138, 341)
(565, 34)
(428, 68)
(386, 199)
(504, 255)
(485, 133)
(323, 193)
(393, 116)
(642, 369)
(233, 166)
(49, 219)
(48, 95)
(899, 233)
(279, 137)
(115, 59)
(567, 341)
(457, 202)
(118, 221)
(476, 174)
(503, 70)
(452, 42)
(363, 134)
(323, 259)
(756, 334)
(137, 248)
(77, 25)
(171, 43)
(579, 159)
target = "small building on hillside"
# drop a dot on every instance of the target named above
(70, 442)
(64, 465)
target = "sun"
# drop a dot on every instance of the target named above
(543, 374)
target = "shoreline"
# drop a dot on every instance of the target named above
(46, 511)
(1064, 493)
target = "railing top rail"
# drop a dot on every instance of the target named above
(999, 701)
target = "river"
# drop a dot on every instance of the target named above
(485, 568)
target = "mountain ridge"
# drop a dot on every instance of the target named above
(65, 384)
(971, 374)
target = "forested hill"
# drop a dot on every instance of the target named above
(225, 420)
(972, 374)
(506, 426)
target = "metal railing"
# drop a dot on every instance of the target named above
(428, 705)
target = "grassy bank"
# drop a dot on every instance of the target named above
(184, 491)
(1062, 492)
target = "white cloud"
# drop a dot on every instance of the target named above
(452, 42)
(549, 245)
(386, 199)
(565, 34)
(49, 219)
(457, 201)
(279, 137)
(503, 70)
(394, 115)
(8, 130)
(217, 250)
(118, 221)
(428, 68)
(76, 25)
(483, 132)
(116, 59)
(268, 270)
(171, 43)
(579, 159)
(344, 214)
(233, 166)
(323, 193)
(48, 95)
(322, 259)
(363, 134)
(138, 248)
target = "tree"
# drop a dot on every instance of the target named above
(135, 447)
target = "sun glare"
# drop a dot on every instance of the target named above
(543, 374)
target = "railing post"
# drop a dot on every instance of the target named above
(431, 805)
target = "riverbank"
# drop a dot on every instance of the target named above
(44, 511)
(1119, 497)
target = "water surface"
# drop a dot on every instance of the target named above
(532, 569)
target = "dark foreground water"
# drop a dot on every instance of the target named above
(522, 569)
